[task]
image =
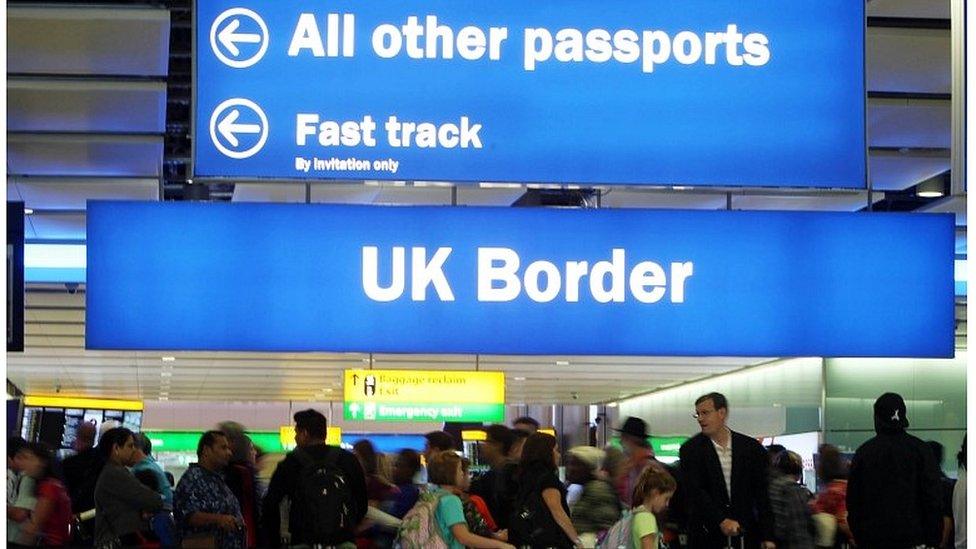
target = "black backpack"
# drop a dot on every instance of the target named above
(325, 495)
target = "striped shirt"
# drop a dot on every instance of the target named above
(725, 460)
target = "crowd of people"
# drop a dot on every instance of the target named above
(726, 490)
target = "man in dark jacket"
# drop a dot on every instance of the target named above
(893, 491)
(725, 476)
(313, 454)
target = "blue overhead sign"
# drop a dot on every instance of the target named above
(638, 92)
(276, 277)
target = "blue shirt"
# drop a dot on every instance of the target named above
(449, 512)
(149, 464)
(203, 491)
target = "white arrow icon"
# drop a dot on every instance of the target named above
(229, 129)
(225, 38)
(229, 38)
(224, 128)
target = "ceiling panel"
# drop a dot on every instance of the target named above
(87, 40)
(55, 358)
(925, 9)
(846, 202)
(56, 226)
(951, 204)
(84, 155)
(51, 105)
(896, 171)
(67, 194)
(491, 195)
(908, 60)
(345, 193)
(621, 198)
(910, 123)
(269, 192)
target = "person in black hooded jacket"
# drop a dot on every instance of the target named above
(894, 495)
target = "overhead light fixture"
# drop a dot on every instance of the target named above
(28, 211)
(931, 188)
(612, 405)
(562, 363)
(71, 402)
(163, 398)
(166, 374)
(169, 359)
(519, 378)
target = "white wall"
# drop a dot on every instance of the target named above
(760, 399)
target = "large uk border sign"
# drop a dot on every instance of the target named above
(641, 92)
(277, 277)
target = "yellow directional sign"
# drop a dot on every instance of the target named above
(424, 395)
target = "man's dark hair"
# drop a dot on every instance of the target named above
(519, 434)
(14, 445)
(312, 422)
(143, 443)
(110, 439)
(718, 399)
(501, 435)
(439, 440)
(208, 440)
(526, 420)
(775, 449)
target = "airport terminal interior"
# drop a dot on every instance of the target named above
(414, 218)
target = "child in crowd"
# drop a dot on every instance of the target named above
(49, 522)
(447, 478)
(653, 492)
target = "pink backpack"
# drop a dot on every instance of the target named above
(419, 529)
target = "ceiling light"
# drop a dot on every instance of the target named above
(163, 398)
(169, 359)
(931, 188)
(562, 363)
(328, 390)
(519, 378)
(166, 374)
(28, 211)
(612, 405)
